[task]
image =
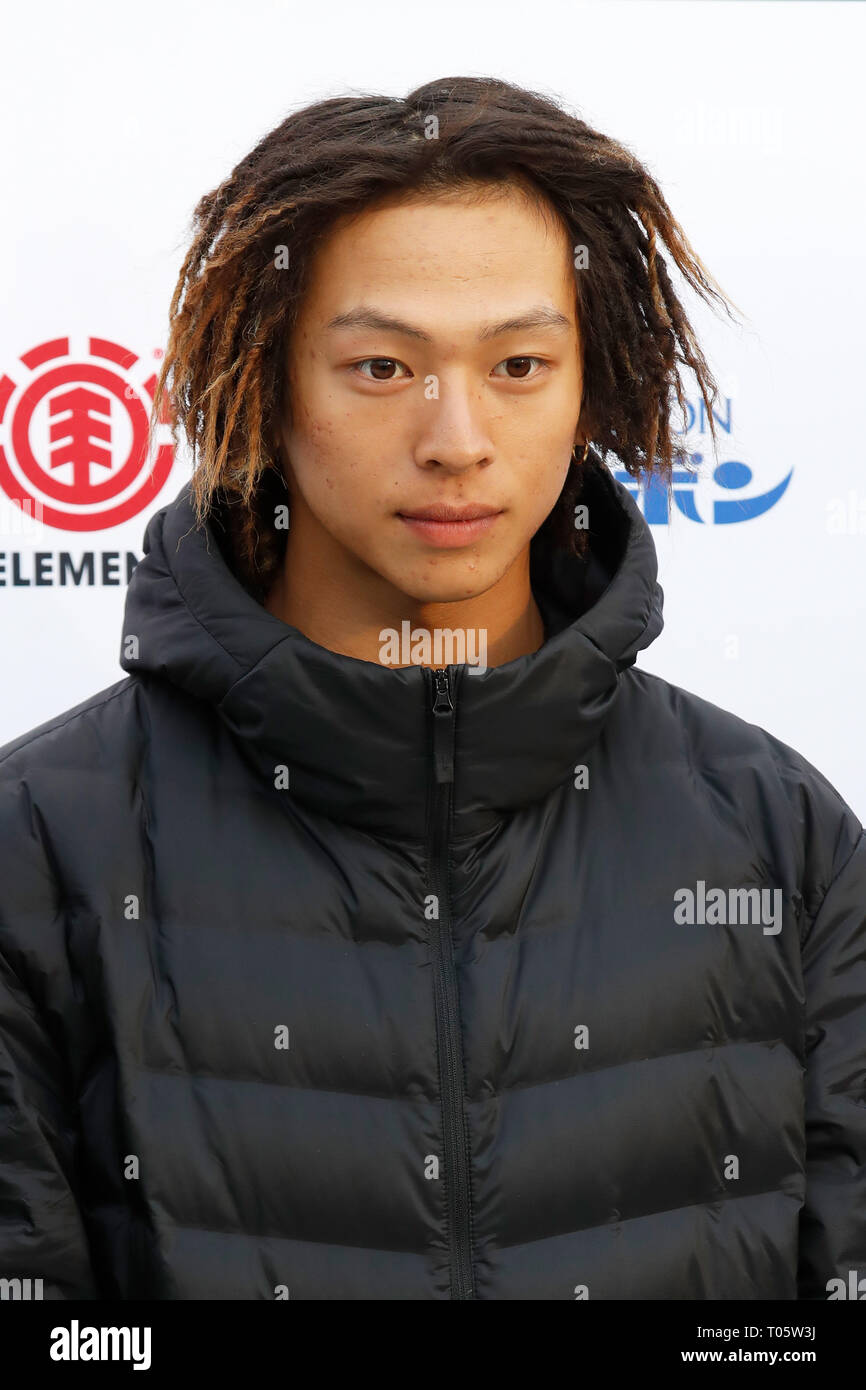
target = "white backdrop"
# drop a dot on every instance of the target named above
(750, 115)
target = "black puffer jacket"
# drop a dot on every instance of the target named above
(429, 1022)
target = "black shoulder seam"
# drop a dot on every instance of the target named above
(54, 725)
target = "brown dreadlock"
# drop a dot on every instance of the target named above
(223, 375)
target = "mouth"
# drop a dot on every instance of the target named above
(450, 526)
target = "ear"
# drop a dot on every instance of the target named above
(585, 429)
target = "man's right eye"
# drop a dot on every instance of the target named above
(380, 362)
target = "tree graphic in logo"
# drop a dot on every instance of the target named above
(73, 436)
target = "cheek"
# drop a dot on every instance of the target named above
(315, 452)
(334, 480)
(543, 483)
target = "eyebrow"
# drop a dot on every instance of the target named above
(539, 316)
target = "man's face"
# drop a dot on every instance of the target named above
(462, 410)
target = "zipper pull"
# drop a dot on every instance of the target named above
(443, 727)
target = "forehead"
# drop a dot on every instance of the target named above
(490, 243)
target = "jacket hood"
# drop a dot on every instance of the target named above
(356, 736)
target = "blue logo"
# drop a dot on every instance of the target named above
(652, 496)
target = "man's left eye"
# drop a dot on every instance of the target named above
(521, 363)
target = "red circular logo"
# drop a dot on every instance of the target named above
(73, 436)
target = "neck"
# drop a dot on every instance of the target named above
(338, 602)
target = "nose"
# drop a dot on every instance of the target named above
(456, 437)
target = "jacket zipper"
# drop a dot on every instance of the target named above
(446, 996)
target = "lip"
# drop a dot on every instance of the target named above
(449, 526)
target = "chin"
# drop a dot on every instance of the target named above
(439, 589)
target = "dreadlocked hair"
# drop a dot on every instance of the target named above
(223, 377)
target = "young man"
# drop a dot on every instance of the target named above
(342, 961)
